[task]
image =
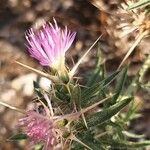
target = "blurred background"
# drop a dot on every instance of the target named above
(89, 19)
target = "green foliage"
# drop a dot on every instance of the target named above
(119, 85)
(76, 96)
(142, 73)
(139, 4)
(84, 137)
(97, 115)
(38, 147)
(17, 137)
(114, 144)
(93, 90)
(98, 74)
(103, 118)
(106, 125)
(106, 114)
(37, 90)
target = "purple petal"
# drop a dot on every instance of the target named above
(49, 44)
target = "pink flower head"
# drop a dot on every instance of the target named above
(49, 44)
(39, 129)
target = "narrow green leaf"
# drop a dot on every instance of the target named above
(125, 145)
(120, 84)
(39, 92)
(90, 92)
(76, 95)
(62, 96)
(99, 72)
(131, 113)
(109, 79)
(94, 77)
(118, 130)
(37, 89)
(146, 86)
(141, 3)
(133, 135)
(106, 114)
(38, 147)
(144, 68)
(87, 137)
(17, 137)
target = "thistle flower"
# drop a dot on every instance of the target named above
(49, 44)
(135, 21)
(132, 21)
(39, 129)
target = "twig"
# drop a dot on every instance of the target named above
(12, 107)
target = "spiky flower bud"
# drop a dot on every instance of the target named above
(39, 129)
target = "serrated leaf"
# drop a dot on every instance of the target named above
(17, 137)
(106, 114)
